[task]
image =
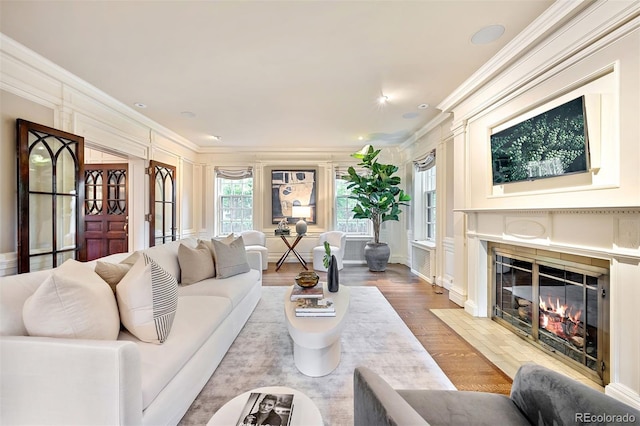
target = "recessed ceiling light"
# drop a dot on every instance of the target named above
(423, 106)
(216, 138)
(383, 99)
(360, 138)
(140, 105)
(188, 114)
(488, 34)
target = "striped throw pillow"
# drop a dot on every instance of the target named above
(148, 299)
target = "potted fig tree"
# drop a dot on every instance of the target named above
(378, 198)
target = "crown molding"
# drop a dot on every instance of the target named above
(556, 15)
(28, 58)
(632, 210)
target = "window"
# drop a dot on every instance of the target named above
(235, 202)
(425, 198)
(429, 202)
(344, 212)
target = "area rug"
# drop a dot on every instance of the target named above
(262, 355)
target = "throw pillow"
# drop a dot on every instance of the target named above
(132, 258)
(208, 244)
(148, 300)
(112, 273)
(196, 264)
(231, 259)
(73, 302)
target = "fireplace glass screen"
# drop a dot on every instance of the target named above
(558, 306)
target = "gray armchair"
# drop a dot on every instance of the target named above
(539, 396)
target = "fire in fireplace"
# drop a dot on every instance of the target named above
(561, 306)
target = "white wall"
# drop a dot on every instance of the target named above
(594, 214)
(13, 107)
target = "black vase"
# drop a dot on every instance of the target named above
(333, 281)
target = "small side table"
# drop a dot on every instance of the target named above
(305, 412)
(291, 248)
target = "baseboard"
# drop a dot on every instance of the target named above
(8, 263)
(457, 297)
(623, 393)
(422, 276)
(471, 308)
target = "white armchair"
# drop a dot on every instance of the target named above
(337, 241)
(256, 241)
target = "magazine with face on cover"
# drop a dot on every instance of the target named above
(267, 409)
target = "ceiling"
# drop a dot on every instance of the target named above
(272, 75)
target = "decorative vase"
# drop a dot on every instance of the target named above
(333, 281)
(377, 256)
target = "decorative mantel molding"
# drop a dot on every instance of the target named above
(538, 211)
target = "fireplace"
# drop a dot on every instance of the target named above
(561, 306)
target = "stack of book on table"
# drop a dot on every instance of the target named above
(314, 307)
(307, 293)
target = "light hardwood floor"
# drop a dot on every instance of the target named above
(413, 298)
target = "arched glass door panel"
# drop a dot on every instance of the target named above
(50, 193)
(162, 179)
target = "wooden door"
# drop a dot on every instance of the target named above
(105, 209)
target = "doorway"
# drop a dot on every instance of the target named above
(106, 210)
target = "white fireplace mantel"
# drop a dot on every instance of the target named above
(611, 235)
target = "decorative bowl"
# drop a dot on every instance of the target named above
(307, 279)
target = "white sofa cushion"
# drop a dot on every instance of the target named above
(196, 319)
(14, 291)
(148, 298)
(196, 264)
(73, 302)
(234, 288)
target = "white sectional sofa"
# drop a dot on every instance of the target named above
(51, 380)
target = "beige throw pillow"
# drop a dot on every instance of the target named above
(196, 264)
(148, 300)
(132, 258)
(208, 244)
(73, 302)
(112, 273)
(230, 259)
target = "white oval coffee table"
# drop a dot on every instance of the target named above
(304, 413)
(316, 340)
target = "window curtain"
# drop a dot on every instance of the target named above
(234, 173)
(425, 162)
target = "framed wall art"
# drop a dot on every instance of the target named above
(292, 188)
(550, 144)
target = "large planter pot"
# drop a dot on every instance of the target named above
(377, 256)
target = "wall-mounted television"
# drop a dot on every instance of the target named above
(550, 144)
